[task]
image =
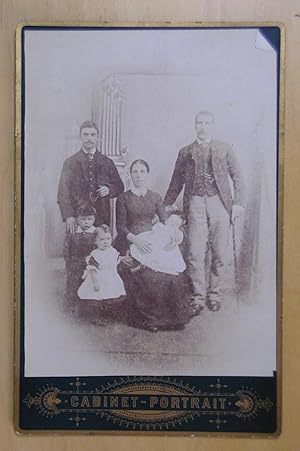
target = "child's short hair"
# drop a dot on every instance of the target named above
(103, 228)
(86, 210)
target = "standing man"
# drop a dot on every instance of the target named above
(88, 177)
(204, 168)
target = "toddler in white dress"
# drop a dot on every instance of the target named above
(101, 279)
(165, 255)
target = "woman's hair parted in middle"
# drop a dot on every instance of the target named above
(142, 162)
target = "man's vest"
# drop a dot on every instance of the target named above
(204, 181)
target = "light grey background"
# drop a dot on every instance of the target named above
(167, 76)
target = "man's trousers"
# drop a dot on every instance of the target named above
(208, 229)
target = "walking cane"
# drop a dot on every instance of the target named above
(235, 263)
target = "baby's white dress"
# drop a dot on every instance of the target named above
(162, 260)
(110, 283)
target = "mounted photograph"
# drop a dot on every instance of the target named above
(148, 227)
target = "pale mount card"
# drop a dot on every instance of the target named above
(149, 215)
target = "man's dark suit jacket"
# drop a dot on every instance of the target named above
(73, 189)
(224, 164)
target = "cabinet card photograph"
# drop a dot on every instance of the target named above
(148, 227)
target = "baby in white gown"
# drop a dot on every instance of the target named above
(101, 279)
(165, 255)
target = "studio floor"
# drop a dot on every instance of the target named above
(237, 340)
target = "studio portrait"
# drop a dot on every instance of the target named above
(150, 202)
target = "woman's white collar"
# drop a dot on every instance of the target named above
(138, 191)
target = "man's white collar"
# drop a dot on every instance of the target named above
(91, 151)
(204, 141)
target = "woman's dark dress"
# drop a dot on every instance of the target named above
(154, 299)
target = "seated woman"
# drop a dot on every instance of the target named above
(165, 255)
(155, 300)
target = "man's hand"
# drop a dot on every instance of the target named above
(71, 224)
(237, 212)
(175, 239)
(171, 244)
(170, 208)
(103, 190)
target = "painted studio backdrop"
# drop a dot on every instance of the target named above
(143, 89)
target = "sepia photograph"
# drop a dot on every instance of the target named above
(150, 201)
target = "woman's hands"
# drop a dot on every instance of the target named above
(142, 243)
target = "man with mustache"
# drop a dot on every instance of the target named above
(204, 168)
(90, 178)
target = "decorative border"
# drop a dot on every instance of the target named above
(149, 403)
